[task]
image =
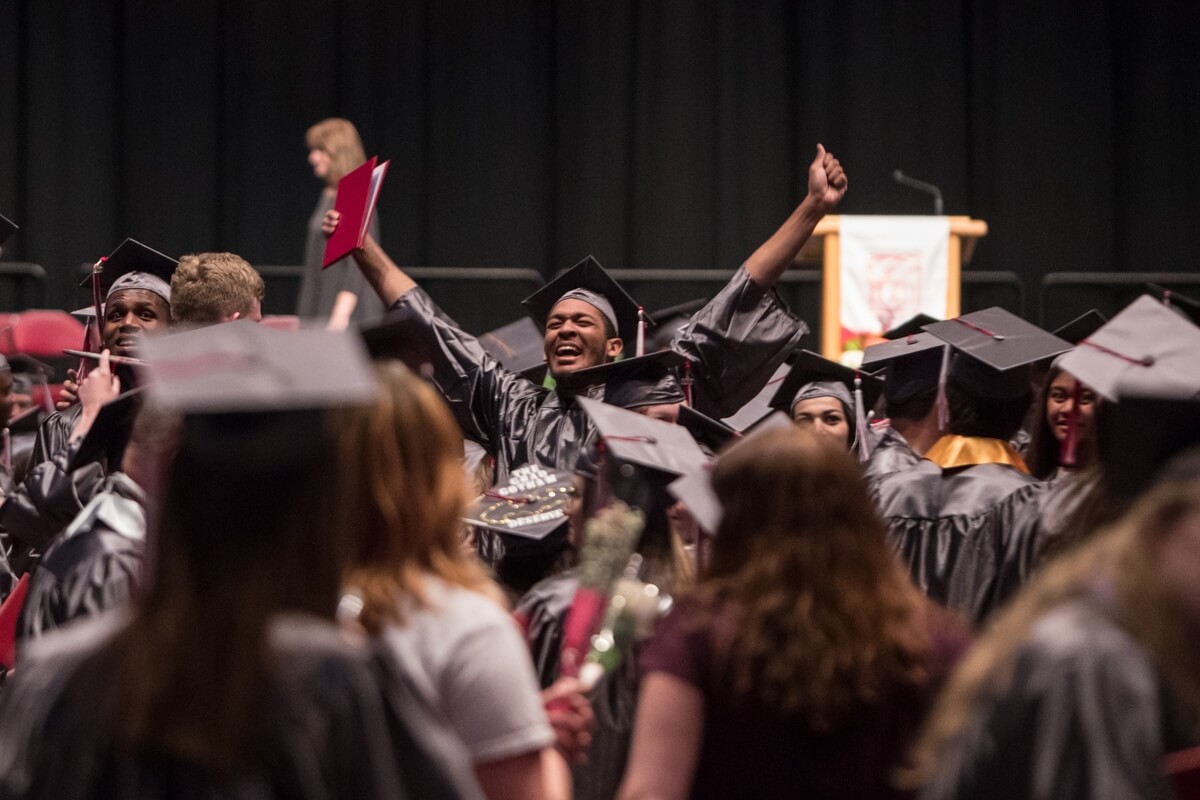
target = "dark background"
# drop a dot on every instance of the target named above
(528, 133)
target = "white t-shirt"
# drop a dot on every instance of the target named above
(466, 657)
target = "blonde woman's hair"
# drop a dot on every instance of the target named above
(337, 138)
(403, 456)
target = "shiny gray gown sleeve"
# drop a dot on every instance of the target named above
(50, 497)
(1085, 716)
(735, 344)
(481, 394)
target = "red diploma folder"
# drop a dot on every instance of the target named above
(357, 194)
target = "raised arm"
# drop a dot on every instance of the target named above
(388, 280)
(826, 187)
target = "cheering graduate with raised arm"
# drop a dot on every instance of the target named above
(734, 344)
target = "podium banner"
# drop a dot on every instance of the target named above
(892, 268)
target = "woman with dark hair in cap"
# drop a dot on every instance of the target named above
(438, 616)
(228, 676)
(824, 397)
(804, 660)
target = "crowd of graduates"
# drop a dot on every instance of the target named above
(397, 560)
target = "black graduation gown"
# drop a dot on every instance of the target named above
(1085, 716)
(890, 453)
(338, 733)
(966, 533)
(542, 612)
(735, 343)
(93, 566)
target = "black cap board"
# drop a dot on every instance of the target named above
(7, 228)
(910, 326)
(1145, 349)
(911, 363)
(759, 407)
(994, 349)
(517, 346)
(590, 276)
(1081, 327)
(669, 321)
(815, 376)
(532, 504)
(132, 256)
(695, 491)
(109, 432)
(709, 432)
(633, 438)
(397, 336)
(632, 382)
(1139, 435)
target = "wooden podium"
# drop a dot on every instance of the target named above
(824, 247)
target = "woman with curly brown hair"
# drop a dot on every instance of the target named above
(805, 658)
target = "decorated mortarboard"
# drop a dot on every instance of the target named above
(110, 431)
(993, 350)
(709, 432)
(397, 336)
(531, 504)
(632, 382)
(910, 363)
(695, 491)
(1146, 349)
(633, 438)
(7, 228)
(518, 345)
(1140, 434)
(133, 265)
(1081, 327)
(253, 398)
(910, 326)
(588, 281)
(1181, 303)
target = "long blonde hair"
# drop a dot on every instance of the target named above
(1123, 556)
(404, 456)
(827, 618)
(339, 139)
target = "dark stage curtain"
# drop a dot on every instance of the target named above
(528, 133)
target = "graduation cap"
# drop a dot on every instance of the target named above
(1145, 349)
(814, 376)
(709, 432)
(759, 408)
(910, 326)
(993, 350)
(397, 336)
(670, 320)
(110, 431)
(1184, 305)
(253, 399)
(27, 421)
(632, 438)
(1139, 435)
(86, 314)
(1081, 327)
(632, 382)
(7, 228)
(587, 281)
(531, 505)
(695, 491)
(133, 265)
(518, 346)
(912, 363)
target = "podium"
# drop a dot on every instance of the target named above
(825, 247)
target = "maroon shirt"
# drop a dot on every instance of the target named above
(751, 750)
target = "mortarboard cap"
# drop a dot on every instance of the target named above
(1081, 327)
(814, 376)
(588, 276)
(669, 321)
(396, 336)
(759, 407)
(709, 432)
(531, 504)
(85, 314)
(695, 491)
(27, 421)
(637, 439)
(133, 265)
(632, 382)
(910, 326)
(518, 346)
(7, 227)
(912, 365)
(994, 349)
(1139, 435)
(1184, 305)
(1145, 349)
(110, 431)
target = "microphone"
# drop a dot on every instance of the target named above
(921, 186)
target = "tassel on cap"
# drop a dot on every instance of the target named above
(860, 420)
(943, 404)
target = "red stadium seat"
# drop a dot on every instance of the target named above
(42, 334)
